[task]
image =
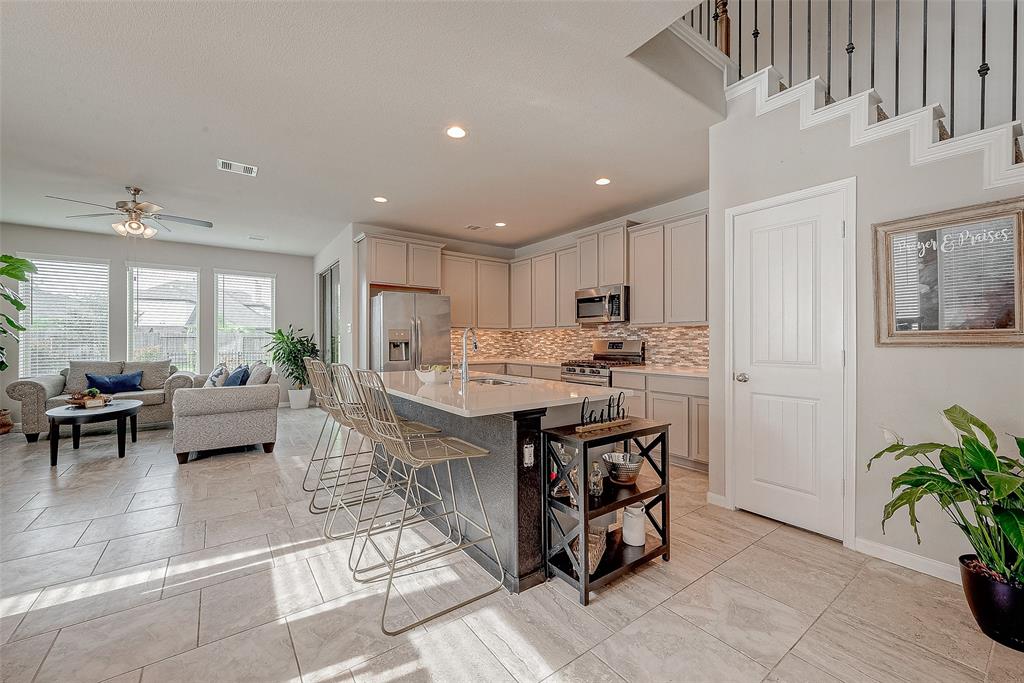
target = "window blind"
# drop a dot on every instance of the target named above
(976, 278)
(164, 316)
(906, 286)
(67, 315)
(244, 314)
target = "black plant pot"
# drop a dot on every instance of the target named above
(997, 607)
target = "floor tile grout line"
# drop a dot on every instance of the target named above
(291, 640)
(39, 668)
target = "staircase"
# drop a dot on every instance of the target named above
(709, 24)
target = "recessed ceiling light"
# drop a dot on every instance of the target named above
(257, 238)
(381, 200)
(601, 181)
(499, 225)
(457, 132)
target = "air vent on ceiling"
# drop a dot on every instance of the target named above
(474, 228)
(257, 238)
(236, 167)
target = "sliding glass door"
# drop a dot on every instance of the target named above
(329, 290)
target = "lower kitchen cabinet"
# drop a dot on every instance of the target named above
(493, 368)
(700, 436)
(675, 409)
(636, 405)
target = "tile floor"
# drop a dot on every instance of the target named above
(140, 570)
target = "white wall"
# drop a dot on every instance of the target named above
(904, 388)
(294, 288)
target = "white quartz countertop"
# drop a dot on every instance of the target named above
(650, 369)
(476, 400)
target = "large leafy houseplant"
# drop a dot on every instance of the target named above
(17, 269)
(982, 492)
(287, 349)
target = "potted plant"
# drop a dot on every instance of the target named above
(17, 269)
(983, 494)
(287, 349)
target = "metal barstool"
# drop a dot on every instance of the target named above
(321, 404)
(408, 458)
(354, 409)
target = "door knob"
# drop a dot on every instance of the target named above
(742, 377)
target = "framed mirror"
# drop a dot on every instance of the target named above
(951, 278)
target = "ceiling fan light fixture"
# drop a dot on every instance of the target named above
(134, 227)
(119, 229)
(149, 232)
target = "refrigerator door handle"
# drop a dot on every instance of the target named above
(419, 342)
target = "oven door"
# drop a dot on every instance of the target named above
(591, 306)
(584, 379)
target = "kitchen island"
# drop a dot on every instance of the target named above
(505, 415)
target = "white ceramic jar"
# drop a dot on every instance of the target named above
(633, 532)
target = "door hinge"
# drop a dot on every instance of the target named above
(844, 229)
(844, 357)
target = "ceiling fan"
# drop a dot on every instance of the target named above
(134, 212)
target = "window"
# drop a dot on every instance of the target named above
(67, 314)
(164, 315)
(245, 313)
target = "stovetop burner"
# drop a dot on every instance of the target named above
(593, 363)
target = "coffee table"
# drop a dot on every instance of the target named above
(121, 410)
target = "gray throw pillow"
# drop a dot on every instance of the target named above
(217, 377)
(259, 373)
(76, 381)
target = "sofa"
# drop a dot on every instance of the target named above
(206, 418)
(160, 381)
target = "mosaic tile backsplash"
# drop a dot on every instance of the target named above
(665, 345)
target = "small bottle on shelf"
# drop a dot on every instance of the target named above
(595, 480)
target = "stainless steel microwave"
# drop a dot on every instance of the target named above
(602, 304)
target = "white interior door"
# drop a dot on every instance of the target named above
(788, 303)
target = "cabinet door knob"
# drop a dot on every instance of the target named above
(742, 377)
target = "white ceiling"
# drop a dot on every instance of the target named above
(338, 102)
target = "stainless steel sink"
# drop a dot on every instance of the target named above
(491, 381)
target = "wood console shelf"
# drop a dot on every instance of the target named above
(618, 557)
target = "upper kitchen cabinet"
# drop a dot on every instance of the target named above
(611, 257)
(586, 259)
(521, 284)
(567, 276)
(424, 265)
(388, 263)
(492, 294)
(686, 271)
(544, 290)
(458, 282)
(394, 261)
(647, 271)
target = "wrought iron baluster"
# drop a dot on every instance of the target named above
(739, 35)
(952, 63)
(924, 53)
(772, 5)
(896, 102)
(872, 44)
(983, 69)
(700, 18)
(1013, 69)
(828, 53)
(708, 23)
(755, 35)
(790, 43)
(715, 18)
(808, 39)
(849, 49)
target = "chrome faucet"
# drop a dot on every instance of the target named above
(464, 371)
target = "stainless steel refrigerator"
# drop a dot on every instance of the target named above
(408, 330)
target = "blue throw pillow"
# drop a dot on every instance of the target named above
(238, 376)
(115, 384)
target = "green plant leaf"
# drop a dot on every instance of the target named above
(921, 476)
(1002, 484)
(908, 498)
(16, 268)
(978, 457)
(12, 323)
(952, 460)
(1011, 522)
(13, 299)
(1020, 444)
(965, 422)
(892, 448)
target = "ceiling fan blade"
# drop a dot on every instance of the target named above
(79, 201)
(148, 207)
(93, 215)
(179, 219)
(161, 225)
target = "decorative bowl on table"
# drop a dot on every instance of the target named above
(434, 374)
(623, 468)
(83, 400)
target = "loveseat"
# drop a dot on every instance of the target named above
(160, 381)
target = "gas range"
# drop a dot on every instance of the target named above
(608, 354)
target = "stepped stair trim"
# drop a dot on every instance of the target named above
(996, 143)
